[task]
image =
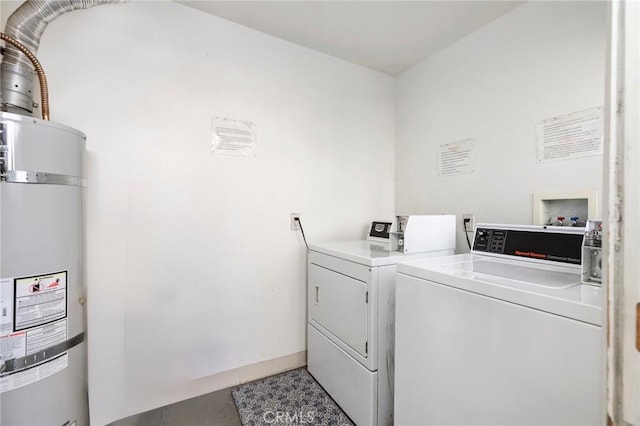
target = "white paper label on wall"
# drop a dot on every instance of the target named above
(233, 137)
(456, 158)
(569, 136)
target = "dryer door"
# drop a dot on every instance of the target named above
(338, 303)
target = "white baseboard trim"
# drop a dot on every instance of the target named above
(239, 375)
(270, 367)
(215, 382)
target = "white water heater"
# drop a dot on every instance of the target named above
(43, 379)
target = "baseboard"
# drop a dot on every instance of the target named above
(212, 383)
(252, 372)
(248, 373)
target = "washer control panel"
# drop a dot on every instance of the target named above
(490, 240)
(535, 243)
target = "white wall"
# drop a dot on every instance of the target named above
(174, 305)
(541, 60)
(192, 268)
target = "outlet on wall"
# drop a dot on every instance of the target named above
(295, 225)
(470, 223)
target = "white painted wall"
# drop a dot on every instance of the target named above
(541, 60)
(192, 268)
(174, 307)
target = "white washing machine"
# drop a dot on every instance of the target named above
(350, 330)
(506, 335)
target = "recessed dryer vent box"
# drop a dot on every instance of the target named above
(549, 206)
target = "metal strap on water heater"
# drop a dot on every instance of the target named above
(7, 174)
(22, 176)
(17, 364)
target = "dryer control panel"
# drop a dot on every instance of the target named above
(533, 242)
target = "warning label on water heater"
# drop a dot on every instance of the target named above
(40, 300)
(25, 377)
(33, 320)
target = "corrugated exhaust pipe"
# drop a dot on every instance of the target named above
(26, 26)
(42, 78)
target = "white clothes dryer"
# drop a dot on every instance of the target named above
(350, 330)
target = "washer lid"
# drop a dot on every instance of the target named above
(521, 273)
(552, 288)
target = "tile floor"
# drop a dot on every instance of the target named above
(214, 409)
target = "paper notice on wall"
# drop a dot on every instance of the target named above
(233, 137)
(570, 136)
(456, 158)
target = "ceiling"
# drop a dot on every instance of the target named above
(387, 36)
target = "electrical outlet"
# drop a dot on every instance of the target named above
(295, 224)
(469, 222)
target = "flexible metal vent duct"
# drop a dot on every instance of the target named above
(26, 25)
